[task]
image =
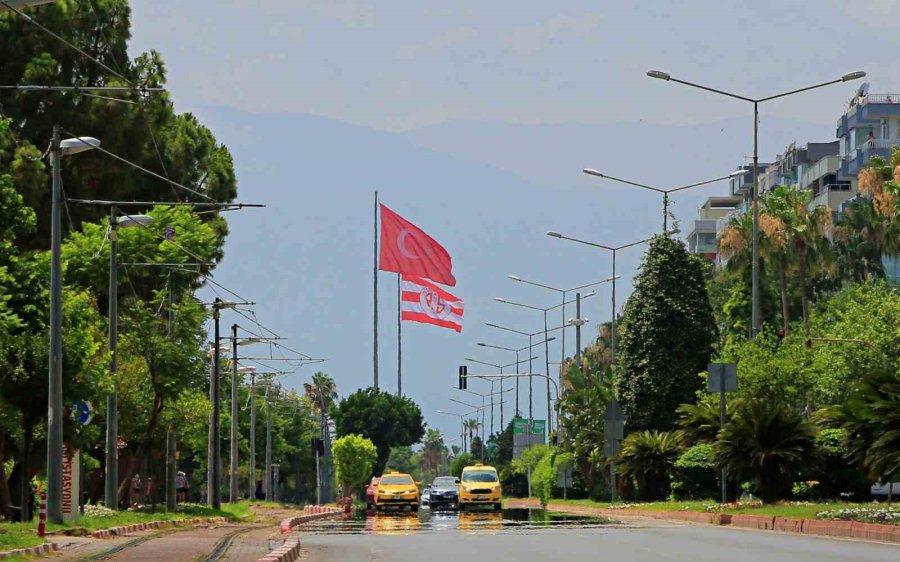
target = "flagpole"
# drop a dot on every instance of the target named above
(375, 293)
(399, 341)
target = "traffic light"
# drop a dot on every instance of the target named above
(318, 447)
(463, 373)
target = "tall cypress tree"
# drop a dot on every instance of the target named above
(668, 332)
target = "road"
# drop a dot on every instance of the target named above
(511, 537)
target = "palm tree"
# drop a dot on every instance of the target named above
(648, 458)
(321, 391)
(801, 237)
(433, 450)
(699, 423)
(472, 427)
(768, 443)
(871, 420)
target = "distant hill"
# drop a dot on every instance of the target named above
(487, 191)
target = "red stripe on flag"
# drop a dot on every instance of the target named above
(425, 319)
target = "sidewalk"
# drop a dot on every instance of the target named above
(810, 527)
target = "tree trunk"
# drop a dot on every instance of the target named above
(785, 312)
(804, 300)
(5, 497)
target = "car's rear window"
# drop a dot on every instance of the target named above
(444, 481)
(479, 476)
(395, 480)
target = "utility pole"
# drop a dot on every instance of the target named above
(267, 481)
(111, 478)
(275, 481)
(211, 438)
(55, 399)
(233, 456)
(216, 499)
(252, 485)
(171, 469)
(577, 330)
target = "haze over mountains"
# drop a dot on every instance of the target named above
(488, 192)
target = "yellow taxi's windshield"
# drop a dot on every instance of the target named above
(479, 476)
(396, 480)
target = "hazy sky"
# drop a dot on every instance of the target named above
(397, 66)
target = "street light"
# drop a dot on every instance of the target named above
(516, 351)
(462, 430)
(233, 495)
(501, 367)
(665, 192)
(756, 320)
(614, 250)
(111, 476)
(530, 347)
(58, 149)
(546, 343)
(562, 349)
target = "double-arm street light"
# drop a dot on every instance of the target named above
(501, 367)
(518, 361)
(665, 192)
(233, 494)
(614, 250)
(546, 343)
(563, 292)
(530, 336)
(756, 319)
(462, 428)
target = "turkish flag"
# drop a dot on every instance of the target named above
(406, 249)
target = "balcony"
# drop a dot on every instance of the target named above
(832, 196)
(858, 158)
(826, 166)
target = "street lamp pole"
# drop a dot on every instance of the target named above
(55, 406)
(756, 313)
(233, 453)
(665, 192)
(614, 250)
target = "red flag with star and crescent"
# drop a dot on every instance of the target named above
(407, 250)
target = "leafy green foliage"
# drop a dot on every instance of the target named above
(386, 419)
(647, 458)
(668, 336)
(461, 461)
(769, 443)
(695, 473)
(354, 458)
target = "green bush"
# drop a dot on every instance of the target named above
(647, 459)
(695, 474)
(838, 476)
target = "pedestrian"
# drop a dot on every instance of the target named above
(181, 486)
(136, 491)
(870, 140)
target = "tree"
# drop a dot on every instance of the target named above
(386, 419)
(147, 132)
(582, 408)
(354, 457)
(648, 458)
(668, 332)
(433, 453)
(461, 461)
(472, 427)
(767, 442)
(700, 423)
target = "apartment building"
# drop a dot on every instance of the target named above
(703, 237)
(869, 127)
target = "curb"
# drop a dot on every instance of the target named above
(810, 527)
(31, 550)
(289, 551)
(135, 527)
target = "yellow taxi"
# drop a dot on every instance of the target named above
(479, 485)
(397, 490)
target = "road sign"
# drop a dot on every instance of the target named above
(719, 372)
(82, 412)
(526, 435)
(613, 427)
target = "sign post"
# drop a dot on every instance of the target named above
(613, 433)
(71, 480)
(722, 378)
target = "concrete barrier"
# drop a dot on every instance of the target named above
(289, 551)
(31, 550)
(126, 529)
(787, 525)
(766, 522)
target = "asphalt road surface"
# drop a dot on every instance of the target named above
(523, 536)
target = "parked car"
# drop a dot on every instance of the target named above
(397, 490)
(425, 501)
(444, 493)
(480, 486)
(370, 492)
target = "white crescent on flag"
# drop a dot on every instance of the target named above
(425, 302)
